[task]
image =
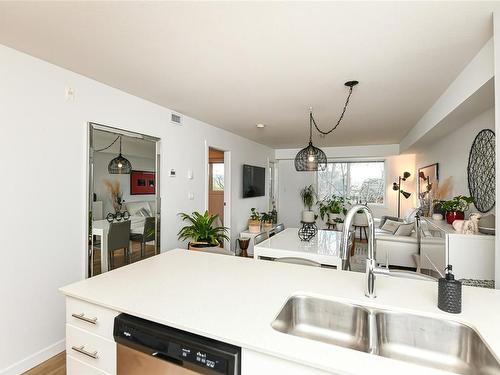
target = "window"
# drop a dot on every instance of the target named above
(217, 176)
(362, 182)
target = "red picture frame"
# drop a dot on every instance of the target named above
(142, 183)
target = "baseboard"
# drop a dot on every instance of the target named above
(35, 359)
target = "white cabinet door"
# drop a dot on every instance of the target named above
(253, 363)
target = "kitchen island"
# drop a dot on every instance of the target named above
(235, 300)
(323, 248)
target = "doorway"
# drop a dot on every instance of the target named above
(219, 187)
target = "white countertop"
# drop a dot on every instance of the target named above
(323, 248)
(235, 299)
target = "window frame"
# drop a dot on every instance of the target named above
(362, 160)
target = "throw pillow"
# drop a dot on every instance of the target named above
(143, 212)
(391, 226)
(404, 229)
(383, 219)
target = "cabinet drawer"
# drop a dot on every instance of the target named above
(76, 367)
(91, 349)
(92, 318)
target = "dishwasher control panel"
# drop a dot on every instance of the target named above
(182, 348)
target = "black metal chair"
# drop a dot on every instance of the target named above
(148, 234)
(118, 238)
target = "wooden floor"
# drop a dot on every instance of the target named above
(119, 259)
(53, 366)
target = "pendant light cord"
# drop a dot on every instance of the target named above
(312, 121)
(112, 143)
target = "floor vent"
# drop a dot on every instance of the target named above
(176, 118)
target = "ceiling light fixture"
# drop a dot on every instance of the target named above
(261, 126)
(311, 158)
(119, 165)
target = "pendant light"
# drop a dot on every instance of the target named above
(312, 158)
(119, 165)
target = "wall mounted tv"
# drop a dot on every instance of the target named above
(254, 181)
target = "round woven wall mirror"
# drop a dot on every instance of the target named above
(481, 170)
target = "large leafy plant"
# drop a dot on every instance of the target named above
(308, 196)
(458, 203)
(202, 229)
(333, 205)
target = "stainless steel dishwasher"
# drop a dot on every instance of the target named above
(145, 347)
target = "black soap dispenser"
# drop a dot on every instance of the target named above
(450, 293)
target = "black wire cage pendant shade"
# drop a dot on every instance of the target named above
(312, 158)
(119, 165)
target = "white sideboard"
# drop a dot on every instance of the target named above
(472, 256)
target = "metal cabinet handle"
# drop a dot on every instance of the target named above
(84, 318)
(81, 349)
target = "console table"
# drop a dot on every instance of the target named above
(471, 255)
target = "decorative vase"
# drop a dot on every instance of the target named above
(243, 243)
(451, 216)
(308, 216)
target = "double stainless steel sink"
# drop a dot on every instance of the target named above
(436, 343)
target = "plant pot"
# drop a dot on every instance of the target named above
(202, 246)
(451, 216)
(308, 216)
(254, 226)
(267, 226)
(332, 217)
(339, 226)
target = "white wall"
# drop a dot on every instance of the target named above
(43, 225)
(291, 182)
(101, 161)
(496, 39)
(452, 152)
(478, 72)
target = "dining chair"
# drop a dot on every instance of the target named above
(118, 238)
(262, 236)
(302, 261)
(148, 234)
(279, 228)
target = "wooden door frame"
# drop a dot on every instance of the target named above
(227, 186)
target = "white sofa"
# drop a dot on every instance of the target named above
(397, 250)
(137, 218)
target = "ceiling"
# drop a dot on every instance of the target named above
(235, 64)
(131, 146)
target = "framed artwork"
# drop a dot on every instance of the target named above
(427, 178)
(142, 182)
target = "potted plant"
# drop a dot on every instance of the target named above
(455, 208)
(254, 221)
(267, 220)
(202, 231)
(332, 208)
(308, 196)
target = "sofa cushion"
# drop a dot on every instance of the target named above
(404, 229)
(384, 218)
(391, 226)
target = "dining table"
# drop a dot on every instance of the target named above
(323, 248)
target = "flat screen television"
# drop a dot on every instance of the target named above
(254, 181)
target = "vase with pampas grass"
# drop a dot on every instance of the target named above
(116, 195)
(440, 194)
